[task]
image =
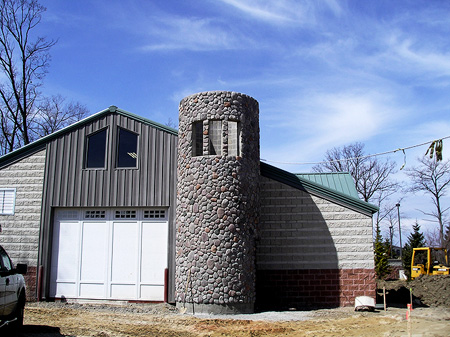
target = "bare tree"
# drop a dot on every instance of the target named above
(24, 62)
(371, 175)
(433, 237)
(54, 114)
(433, 178)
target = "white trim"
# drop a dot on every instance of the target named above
(7, 201)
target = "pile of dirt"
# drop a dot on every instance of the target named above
(429, 290)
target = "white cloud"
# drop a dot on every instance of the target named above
(421, 59)
(282, 12)
(171, 32)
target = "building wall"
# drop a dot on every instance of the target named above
(69, 184)
(311, 251)
(20, 232)
(218, 205)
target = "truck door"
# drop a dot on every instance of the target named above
(8, 284)
(2, 288)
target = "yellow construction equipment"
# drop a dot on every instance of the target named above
(429, 261)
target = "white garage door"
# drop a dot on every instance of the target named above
(109, 254)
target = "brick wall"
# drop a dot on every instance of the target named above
(311, 251)
(312, 288)
(20, 232)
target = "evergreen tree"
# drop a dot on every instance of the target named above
(415, 239)
(382, 267)
(447, 238)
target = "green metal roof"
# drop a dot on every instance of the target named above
(41, 142)
(315, 188)
(339, 181)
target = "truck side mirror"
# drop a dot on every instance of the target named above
(22, 268)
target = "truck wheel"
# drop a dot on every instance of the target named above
(19, 312)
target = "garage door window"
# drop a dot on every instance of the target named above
(125, 214)
(95, 215)
(155, 214)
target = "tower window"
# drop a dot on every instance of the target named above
(197, 139)
(215, 137)
(96, 149)
(234, 139)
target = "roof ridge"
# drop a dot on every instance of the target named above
(39, 143)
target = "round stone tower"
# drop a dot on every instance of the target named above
(217, 202)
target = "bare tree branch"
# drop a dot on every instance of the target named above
(24, 64)
(432, 177)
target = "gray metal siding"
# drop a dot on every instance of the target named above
(70, 185)
(151, 184)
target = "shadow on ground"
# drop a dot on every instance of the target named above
(33, 331)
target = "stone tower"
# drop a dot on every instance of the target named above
(217, 202)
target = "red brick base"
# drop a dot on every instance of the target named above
(312, 288)
(30, 283)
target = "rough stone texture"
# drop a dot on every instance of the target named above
(20, 231)
(311, 251)
(217, 206)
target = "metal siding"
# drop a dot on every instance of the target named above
(151, 171)
(67, 184)
(158, 167)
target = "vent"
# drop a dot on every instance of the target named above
(67, 214)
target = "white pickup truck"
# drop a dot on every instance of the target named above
(12, 291)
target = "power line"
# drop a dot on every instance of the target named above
(362, 157)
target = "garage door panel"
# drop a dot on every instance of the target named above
(92, 290)
(60, 289)
(156, 293)
(123, 291)
(65, 250)
(154, 252)
(125, 256)
(64, 257)
(94, 252)
(122, 259)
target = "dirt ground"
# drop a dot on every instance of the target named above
(430, 317)
(428, 290)
(59, 319)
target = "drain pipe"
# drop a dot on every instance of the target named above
(39, 283)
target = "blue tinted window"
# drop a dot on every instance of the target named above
(127, 149)
(96, 150)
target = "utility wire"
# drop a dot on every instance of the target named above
(362, 157)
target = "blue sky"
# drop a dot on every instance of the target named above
(326, 73)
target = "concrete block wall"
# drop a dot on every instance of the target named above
(311, 252)
(20, 231)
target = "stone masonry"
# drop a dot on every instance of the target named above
(217, 205)
(20, 231)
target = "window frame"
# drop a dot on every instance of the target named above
(197, 139)
(212, 147)
(2, 200)
(117, 149)
(237, 138)
(86, 150)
